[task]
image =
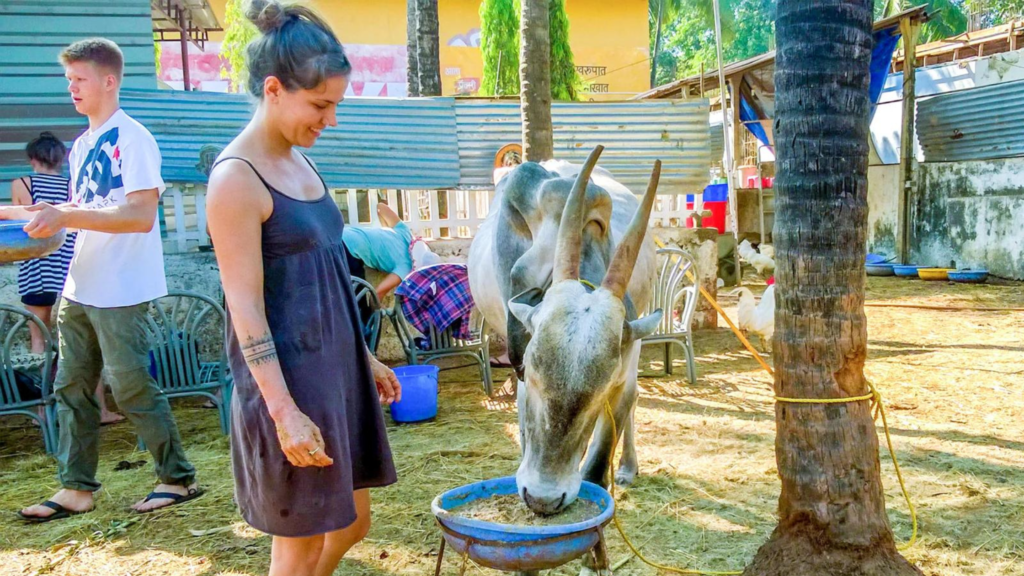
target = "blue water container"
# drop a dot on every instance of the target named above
(419, 394)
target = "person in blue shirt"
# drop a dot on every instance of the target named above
(385, 249)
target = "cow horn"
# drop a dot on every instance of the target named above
(621, 268)
(570, 228)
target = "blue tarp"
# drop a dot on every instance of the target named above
(747, 114)
(881, 61)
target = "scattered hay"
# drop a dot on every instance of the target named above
(706, 495)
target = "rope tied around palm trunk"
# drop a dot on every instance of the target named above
(877, 407)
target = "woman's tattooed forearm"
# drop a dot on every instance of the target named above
(259, 351)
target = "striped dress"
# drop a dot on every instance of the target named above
(42, 275)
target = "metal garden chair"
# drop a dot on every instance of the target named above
(366, 296)
(444, 344)
(187, 354)
(15, 399)
(676, 293)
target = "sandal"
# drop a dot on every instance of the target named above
(59, 513)
(174, 498)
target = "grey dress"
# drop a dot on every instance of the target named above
(314, 320)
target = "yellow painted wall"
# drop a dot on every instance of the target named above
(611, 34)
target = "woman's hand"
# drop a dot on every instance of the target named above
(388, 388)
(301, 441)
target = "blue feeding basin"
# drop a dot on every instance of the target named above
(875, 259)
(15, 244)
(419, 394)
(879, 269)
(512, 547)
(905, 271)
(969, 276)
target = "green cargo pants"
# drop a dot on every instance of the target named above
(115, 338)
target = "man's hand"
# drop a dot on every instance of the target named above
(48, 220)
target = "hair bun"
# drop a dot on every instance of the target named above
(48, 135)
(268, 15)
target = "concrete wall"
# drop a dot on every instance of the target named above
(970, 213)
(883, 209)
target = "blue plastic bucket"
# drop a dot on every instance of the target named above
(419, 394)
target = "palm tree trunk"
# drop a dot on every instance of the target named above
(535, 81)
(832, 517)
(657, 45)
(427, 42)
(412, 48)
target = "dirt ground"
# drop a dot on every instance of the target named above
(706, 497)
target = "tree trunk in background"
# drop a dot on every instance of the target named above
(832, 518)
(428, 59)
(657, 45)
(412, 48)
(535, 81)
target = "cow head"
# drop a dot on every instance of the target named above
(575, 359)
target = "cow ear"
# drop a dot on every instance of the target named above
(524, 306)
(633, 330)
(524, 313)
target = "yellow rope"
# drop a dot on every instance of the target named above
(615, 517)
(878, 407)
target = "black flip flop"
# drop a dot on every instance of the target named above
(59, 513)
(175, 498)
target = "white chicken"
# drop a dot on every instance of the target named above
(760, 262)
(758, 318)
(767, 250)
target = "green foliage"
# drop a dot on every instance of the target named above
(748, 28)
(499, 40)
(157, 50)
(238, 32)
(566, 83)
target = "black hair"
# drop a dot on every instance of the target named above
(47, 149)
(296, 46)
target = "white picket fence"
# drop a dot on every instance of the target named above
(430, 214)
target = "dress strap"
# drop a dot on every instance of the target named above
(255, 171)
(313, 166)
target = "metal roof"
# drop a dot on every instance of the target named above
(378, 143)
(33, 32)
(635, 134)
(678, 88)
(979, 124)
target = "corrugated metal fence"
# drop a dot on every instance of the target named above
(979, 124)
(33, 32)
(379, 143)
(634, 133)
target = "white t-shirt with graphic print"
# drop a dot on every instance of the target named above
(107, 164)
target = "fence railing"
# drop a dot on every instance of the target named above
(431, 214)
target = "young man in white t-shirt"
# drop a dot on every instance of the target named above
(117, 269)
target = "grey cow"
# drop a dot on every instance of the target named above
(560, 268)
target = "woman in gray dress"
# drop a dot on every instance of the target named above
(307, 435)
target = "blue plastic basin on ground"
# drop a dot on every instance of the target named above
(969, 276)
(16, 245)
(875, 259)
(905, 271)
(879, 269)
(419, 394)
(524, 548)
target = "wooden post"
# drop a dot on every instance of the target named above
(183, 26)
(910, 31)
(736, 82)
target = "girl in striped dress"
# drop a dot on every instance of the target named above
(41, 280)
